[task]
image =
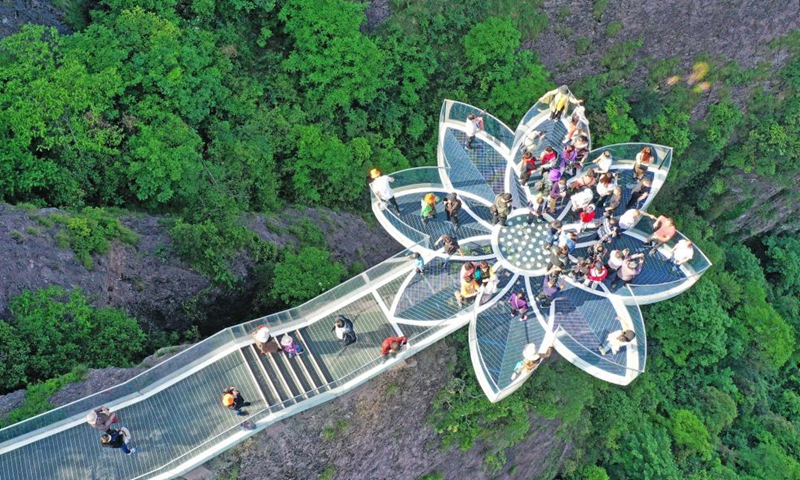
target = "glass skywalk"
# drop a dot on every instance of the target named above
(173, 410)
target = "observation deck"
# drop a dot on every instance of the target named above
(173, 409)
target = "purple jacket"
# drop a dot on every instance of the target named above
(556, 190)
(518, 303)
(549, 291)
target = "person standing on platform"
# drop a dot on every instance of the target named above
(381, 188)
(118, 439)
(101, 418)
(452, 205)
(392, 345)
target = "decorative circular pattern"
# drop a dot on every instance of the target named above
(521, 245)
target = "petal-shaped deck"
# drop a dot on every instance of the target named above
(581, 318)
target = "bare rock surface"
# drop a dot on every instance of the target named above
(148, 280)
(15, 13)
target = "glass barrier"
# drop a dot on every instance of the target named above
(340, 382)
(457, 111)
(607, 363)
(418, 177)
(463, 173)
(135, 386)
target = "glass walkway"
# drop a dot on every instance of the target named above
(173, 410)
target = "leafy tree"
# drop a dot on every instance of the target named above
(690, 435)
(303, 275)
(14, 356)
(618, 127)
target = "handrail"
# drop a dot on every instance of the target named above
(598, 358)
(332, 385)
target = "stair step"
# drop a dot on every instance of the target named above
(263, 382)
(278, 381)
(282, 364)
(318, 366)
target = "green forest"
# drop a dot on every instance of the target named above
(204, 111)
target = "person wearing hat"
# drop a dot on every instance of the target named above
(290, 347)
(392, 345)
(381, 188)
(117, 439)
(264, 341)
(101, 418)
(531, 358)
(501, 209)
(233, 400)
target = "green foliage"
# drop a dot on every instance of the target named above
(51, 331)
(689, 434)
(90, 232)
(598, 8)
(613, 29)
(619, 127)
(491, 41)
(432, 476)
(303, 275)
(582, 45)
(37, 396)
(328, 474)
(337, 429)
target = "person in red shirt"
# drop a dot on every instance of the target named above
(587, 216)
(527, 167)
(392, 344)
(596, 275)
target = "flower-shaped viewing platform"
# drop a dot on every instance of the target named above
(580, 318)
(173, 409)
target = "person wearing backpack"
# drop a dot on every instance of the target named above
(452, 205)
(343, 327)
(233, 400)
(118, 439)
(501, 209)
(451, 245)
(101, 418)
(290, 347)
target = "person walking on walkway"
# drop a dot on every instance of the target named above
(118, 439)
(344, 330)
(392, 345)
(452, 205)
(419, 263)
(381, 188)
(264, 341)
(616, 341)
(474, 125)
(290, 347)
(233, 400)
(428, 207)
(501, 209)
(101, 418)
(519, 304)
(451, 245)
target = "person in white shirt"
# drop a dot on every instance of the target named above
(682, 252)
(630, 218)
(603, 162)
(474, 125)
(381, 188)
(617, 340)
(577, 121)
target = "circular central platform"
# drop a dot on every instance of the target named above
(520, 244)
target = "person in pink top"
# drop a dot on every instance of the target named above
(663, 231)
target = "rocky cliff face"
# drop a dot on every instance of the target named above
(148, 280)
